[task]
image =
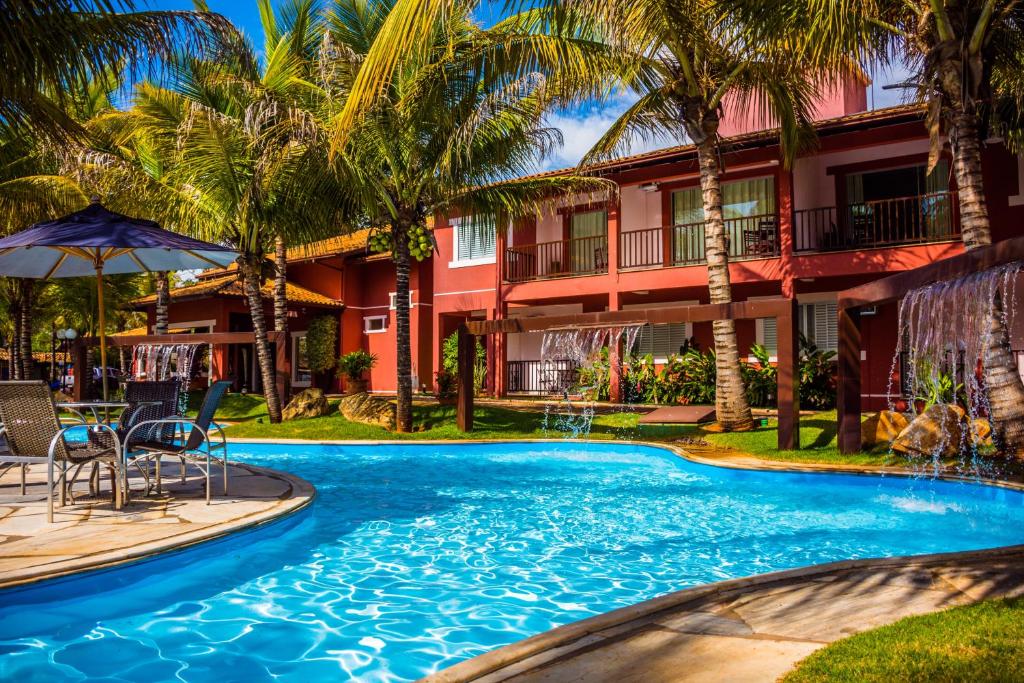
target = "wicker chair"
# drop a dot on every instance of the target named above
(196, 447)
(32, 428)
(146, 401)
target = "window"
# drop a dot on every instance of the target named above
(748, 207)
(301, 376)
(391, 300)
(818, 321)
(474, 238)
(375, 324)
(589, 232)
(662, 341)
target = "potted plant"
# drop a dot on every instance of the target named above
(354, 366)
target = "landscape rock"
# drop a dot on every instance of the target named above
(881, 428)
(937, 431)
(981, 431)
(368, 410)
(305, 404)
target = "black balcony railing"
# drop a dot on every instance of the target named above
(886, 222)
(677, 245)
(581, 256)
(540, 376)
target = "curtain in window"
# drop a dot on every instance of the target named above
(936, 208)
(589, 254)
(742, 201)
(476, 238)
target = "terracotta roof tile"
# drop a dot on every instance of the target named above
(228, 285)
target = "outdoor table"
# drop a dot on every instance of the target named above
(96, 406)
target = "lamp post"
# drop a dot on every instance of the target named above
(66, 337)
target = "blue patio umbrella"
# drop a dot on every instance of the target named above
(97, 241)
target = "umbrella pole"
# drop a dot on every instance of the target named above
(103, 331)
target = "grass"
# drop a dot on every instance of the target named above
(817, 432)
(981, 643)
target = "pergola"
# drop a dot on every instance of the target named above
(784, 311)
(889, 290)
(277, 339)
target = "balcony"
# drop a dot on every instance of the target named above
(916, 219)
(540, 376)
(565, 258)
(748, 237)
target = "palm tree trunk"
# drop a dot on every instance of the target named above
(163, 301)
(403, 338)
(1002, 379)
(15, 341)
(25, 331)
(251, 285)
(280, 285)
(731, 406)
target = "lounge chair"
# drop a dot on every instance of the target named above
(195, 446)
(32, 427)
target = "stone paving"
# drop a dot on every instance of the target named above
(753, 629)
(90, 533)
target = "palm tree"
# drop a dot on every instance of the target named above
(459, 114)
(223, 159)
(966, 61)
(691, 65)
(55, 46)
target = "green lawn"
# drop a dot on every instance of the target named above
(980, 643)
(817, 434)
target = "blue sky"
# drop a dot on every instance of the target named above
(581, 127)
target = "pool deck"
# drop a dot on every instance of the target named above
(91, 534)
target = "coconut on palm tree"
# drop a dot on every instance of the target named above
(966, 59)
(461, 113)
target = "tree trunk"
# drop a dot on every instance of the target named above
(1002, 380)
(280, 285)
(731, 406)
(15, 341)
(26, 290)
(251, 285)
(163, 301)
(402, 335)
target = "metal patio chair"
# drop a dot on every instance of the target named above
(32, 427)
(195, 446)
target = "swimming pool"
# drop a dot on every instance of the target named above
(414, 557)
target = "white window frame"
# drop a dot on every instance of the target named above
(458, 261)
(392, 299)
(801, 299)
(1018, 199)
(366, 324)
(296, 382)
(661, 360)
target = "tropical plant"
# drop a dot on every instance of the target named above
(640, 380)
(227, 151)
(594, 379)
(437, 114)
(450, 360)
(761, 379)
(817, 376)
(355, 364)
(966, 62)
(447, 384)
(49, 48)
(690, 64)
(322, 344)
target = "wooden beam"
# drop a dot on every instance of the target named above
(788, 382)
(848, 400)
(200, 338)
(893, 288)
(282, 366)
(464, 399)
(740, 310)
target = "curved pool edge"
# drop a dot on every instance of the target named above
(583, 634)
(301, 495)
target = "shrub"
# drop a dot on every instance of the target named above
(594, 380)
(447, 384)
(817, 376)
(450, 360)
(322, 344)
(356, 364)
(761, 380)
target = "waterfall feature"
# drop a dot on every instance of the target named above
(582, 346)
(158, 362)
(943, 333)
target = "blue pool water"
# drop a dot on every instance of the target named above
(416, 557)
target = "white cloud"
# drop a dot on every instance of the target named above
(581, 129)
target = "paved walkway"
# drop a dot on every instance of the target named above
(753, 629)
(91, 534)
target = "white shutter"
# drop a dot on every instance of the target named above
(475, 238)
(770, 337)
(661, 340)
(826, 326)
